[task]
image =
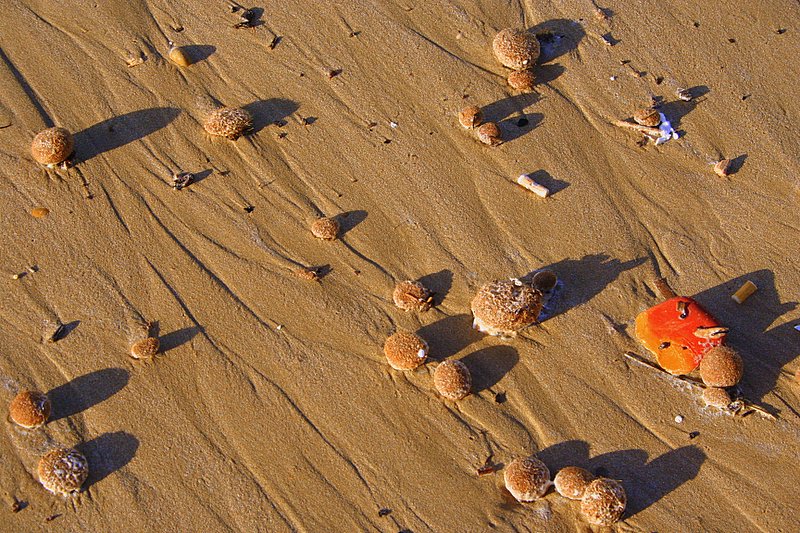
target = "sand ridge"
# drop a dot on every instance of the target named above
(242, 425)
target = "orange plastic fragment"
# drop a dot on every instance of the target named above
(670, 331)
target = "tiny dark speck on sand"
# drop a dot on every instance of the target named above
(383, 512)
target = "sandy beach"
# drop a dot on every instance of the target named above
(270, 405)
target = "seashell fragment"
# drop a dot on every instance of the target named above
(722, 168)
(178, 55)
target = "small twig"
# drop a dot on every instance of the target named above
(652, 132)
(639, 359)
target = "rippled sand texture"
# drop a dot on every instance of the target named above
(271, 406)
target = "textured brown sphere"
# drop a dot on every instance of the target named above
(721, 367)
(452, 379)
(516, 49)
(412, 296)
(405, 350)
(30, 409)
(489, 133)
(145, 348)
(63, 471)
(522, 80)
(505, 307)
(326, 228)
(470, 117)
(571, 482)
(527, 479)
(52, 146)
(604, 502)
(228, 122)
(647, 117)
(716, 397)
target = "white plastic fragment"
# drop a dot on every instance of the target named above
(527, 182)
(667, 132)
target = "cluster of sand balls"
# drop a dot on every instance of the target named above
(721, 368)
(62, 470)
(517, 50)
(602, 500)
(405, 350)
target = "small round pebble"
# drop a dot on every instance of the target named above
(527, 478)
(145, 348)
(52, 146)
(604, 502)
(229, 122)
(412, 296)
(522, 80)
(470, 117)
(716, 397)
(30, 409)
(516, 49)
(647, 117)
(308, 274)
(721, 367)
(63, 471)
(326, 228)
(452, 379)
(489, 133)
(571, 482)
(40, 212)
(679, 419)
(405, 350)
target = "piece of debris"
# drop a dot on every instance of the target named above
(57, 334)
(274, 42)
(683, 94)
(678, 419)
(333, 72)
(527, 182)
(52, 517)
(248, 18)
(384, 512)
(181, 180)
(723, 167)
(744, 292)
(135, 59)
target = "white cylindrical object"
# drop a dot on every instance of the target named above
(528, 183)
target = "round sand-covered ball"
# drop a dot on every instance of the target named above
(452, 379)
(522, 80)
(145, 348)
(52, 146)
(489, 133)
(516, 49)
(412, 296)
(716, 397)
(505, 307)
(571, 482)
(647, 117)
(326, 228)
(470, 117)
(405, 350)
(527, 479)
(63, 471)
(230, 122)
(604, 502)
(721, 367)
(30, 409)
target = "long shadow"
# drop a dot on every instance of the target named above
(557, 37)
(440, 283)
(86, 391)
(449, 336)
(108, 453)
(489, 365)
(178, 337)
(266, 112)
(583, 279)
(765, 351)
(506, 107)
(199, 52)
(645, 482)
(351, 219)
(513, 129)
(121, 130)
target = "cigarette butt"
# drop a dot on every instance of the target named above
(744, 292)
(528, 183)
